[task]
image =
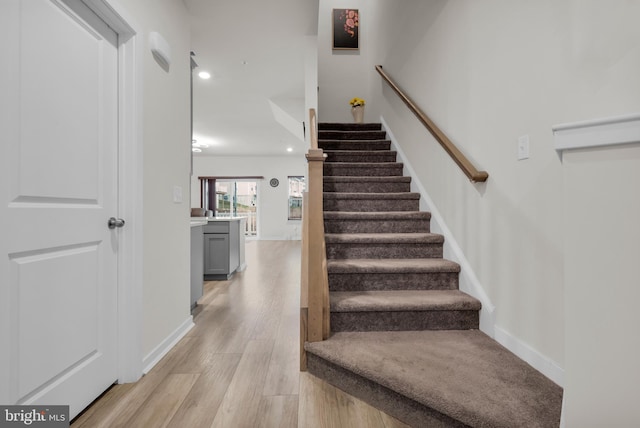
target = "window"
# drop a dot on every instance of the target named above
(296, 188)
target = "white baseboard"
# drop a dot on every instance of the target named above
(544, 365)
(468, 280)
(166, 345)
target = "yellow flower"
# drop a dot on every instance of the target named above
(356, 102)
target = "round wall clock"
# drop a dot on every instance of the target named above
(274, 182)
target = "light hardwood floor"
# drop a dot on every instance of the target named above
(239, 366)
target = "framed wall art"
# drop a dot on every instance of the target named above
(346, 26)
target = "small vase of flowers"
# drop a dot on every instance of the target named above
(357, 109)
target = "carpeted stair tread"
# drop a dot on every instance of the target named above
(463, 374)
(382, 196)
(361, 152)
(370, 184)
(351, 135)
(383, 238)
(377, 221)
(328, 126)
(355, 145)
(370, 202)
(363, 165)
(402, 300)
(366, 179)
(363, 169)
(386, 266)
(377, 215)
(360, 156)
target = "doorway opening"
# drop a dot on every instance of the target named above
(232, 197)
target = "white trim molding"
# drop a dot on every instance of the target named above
(153, 357)
(130, 191)
(597, 133)
(544, 365)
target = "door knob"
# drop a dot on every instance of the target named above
(115, 222)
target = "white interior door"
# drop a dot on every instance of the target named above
(58, 157)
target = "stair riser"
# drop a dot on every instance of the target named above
(404, 281)
(382, 251)
(366, 187)
(404, 321)
(390, 402)
(369, 170)
(349, 126)
(354, 145)
(352, 135)
(372, 226)
(355, 157)
(378, 205)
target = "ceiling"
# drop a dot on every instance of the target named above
(255, 53)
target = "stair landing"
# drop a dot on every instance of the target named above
(438, 378)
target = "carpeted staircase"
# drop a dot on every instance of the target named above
(404, 337)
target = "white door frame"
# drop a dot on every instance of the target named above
(130, 189)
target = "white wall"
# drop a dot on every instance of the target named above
(488, 72)
(602, 250)
(465, 65)
(310, 82)
(273, 223)
(344, 74)
(166, 132)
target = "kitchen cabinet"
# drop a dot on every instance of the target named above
(221, 248)
(197, 261)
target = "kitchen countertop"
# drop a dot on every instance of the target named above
(210, 219)
(197, 221)
(202, 221)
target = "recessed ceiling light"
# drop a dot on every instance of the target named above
(204, 75)
(289, 149)
(194, 143)
(203, 141)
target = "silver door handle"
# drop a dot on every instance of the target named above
(115, 222)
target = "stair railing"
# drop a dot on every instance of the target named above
(314, 292)
(460, 159)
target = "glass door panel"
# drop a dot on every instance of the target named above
(246, 200)
(238, 199)
(225, 195)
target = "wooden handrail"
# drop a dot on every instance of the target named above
(314, 293)
(467, 167)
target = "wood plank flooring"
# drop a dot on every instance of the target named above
(239, 366)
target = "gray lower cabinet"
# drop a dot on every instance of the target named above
(221, 249)
(197, 266)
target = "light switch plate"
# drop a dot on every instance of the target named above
(523, 147)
